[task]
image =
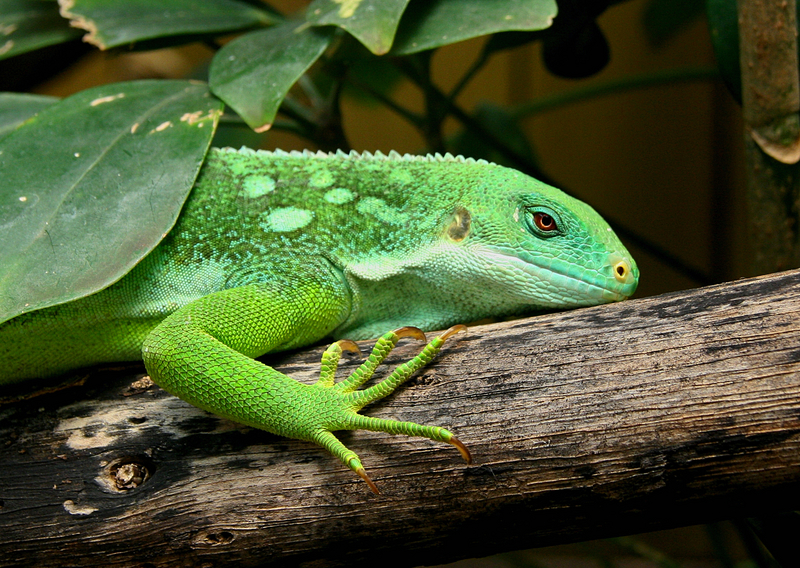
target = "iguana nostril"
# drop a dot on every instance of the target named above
(621, 271)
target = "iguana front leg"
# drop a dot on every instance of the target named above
(345, 396)
(203, 353)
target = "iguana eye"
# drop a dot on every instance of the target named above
(542, 221)
(545, 222)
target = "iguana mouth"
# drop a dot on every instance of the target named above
(591, 286)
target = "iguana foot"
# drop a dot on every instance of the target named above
(347, 417)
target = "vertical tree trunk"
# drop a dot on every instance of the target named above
(771, 101)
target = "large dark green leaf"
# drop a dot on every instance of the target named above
(427, 24)
(91, 184)
(26, 25)
(253, 73)
(115, 23)
(16, 108)
(372, 22)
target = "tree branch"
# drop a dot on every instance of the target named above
(647, 414)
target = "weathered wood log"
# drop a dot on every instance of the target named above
(623, 418)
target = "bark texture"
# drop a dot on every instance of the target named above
(648, 414)
(770, 105)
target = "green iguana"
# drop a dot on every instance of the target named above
(277, 250)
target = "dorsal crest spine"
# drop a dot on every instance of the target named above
(353, 155)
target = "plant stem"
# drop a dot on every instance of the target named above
(330, 133)
(310, 90)
(611, 87)
(476, 66)
(437, 106)
(293, 108)
(412, 117)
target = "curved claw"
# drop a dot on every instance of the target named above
(453, 330)
(363, 475)
(461, 448)
(409, 331)
(347, 345)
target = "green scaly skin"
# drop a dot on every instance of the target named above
(277, 250)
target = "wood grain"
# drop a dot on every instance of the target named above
(648, 414)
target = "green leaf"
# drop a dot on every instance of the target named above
(92, 183)
(26, 25)
(253, 73)
(372, 22)
(427, 24)
(16, 108)
(115, 23)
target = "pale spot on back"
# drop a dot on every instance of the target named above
(321, 179)
(339, 196)
(286, 219)
(257, 186)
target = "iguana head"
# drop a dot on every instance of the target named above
(529, 246)
(478, 240)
